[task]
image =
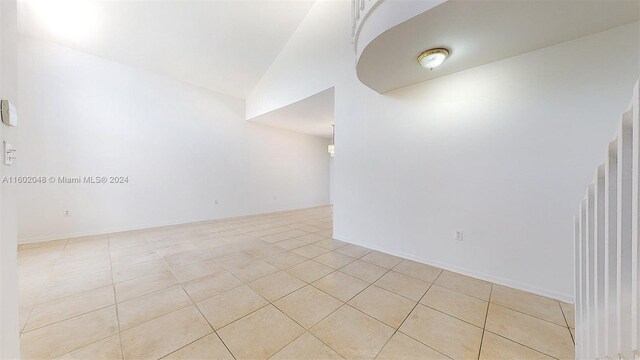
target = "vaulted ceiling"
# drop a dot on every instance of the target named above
(224, 46)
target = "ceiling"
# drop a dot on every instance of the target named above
(224, 46)
(481, 32)
(312, 115)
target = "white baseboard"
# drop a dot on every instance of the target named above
(476, 274)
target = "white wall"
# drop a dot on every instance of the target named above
(9, 348)
(502, 151)
(181, 146)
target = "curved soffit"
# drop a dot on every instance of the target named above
(481, 32)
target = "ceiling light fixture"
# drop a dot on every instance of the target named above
(432, 58)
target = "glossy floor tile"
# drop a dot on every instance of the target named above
(383, 305)
(306, 347)
(352, 333)
(461, 306)
(308, 305)
(546, 337)
(272, 286)
(444, 333)
(260, 334)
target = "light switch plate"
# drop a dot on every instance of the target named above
(8, 151)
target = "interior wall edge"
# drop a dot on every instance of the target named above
(567, 298)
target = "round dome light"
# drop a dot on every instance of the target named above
(432, 58)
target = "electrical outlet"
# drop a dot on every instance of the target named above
(459, 235)
(67, 213)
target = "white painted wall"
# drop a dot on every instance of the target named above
(181, 146)
(9, 348)
(502, 151)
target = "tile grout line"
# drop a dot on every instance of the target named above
(514, 341)
(202, 337)
(71, 317)
(486, 316)
(111, 275)
(194, 305)
(294, 340)
(521, 344)
(102, 308)
(308, 330)
(338, 270)
(451, 316)
(248, 241)
(196, 340)
(459, 292)
(344, 303)
(409, 314)
(85, 345)
(297, 337)
(259, 260)
(46, 282)
(567, 322)
(224, 270)
(319, 321)
(115, 298)
(504, 306)
(529, 315)
(242, 317)
(371, 284)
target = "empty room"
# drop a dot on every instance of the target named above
(320, 179)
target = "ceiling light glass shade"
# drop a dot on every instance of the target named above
(331, 148)
(433, 58)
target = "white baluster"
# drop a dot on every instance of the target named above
(598, 261)
(584, 320)
(577, 246)
(607, 250)
(591, 309)
(625, 151)
(353, 17)
(611, 253)
(635, 231)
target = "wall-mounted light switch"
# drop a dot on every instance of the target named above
(8, 151)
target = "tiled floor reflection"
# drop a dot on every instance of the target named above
(268, 286)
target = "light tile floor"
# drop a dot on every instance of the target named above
(269, 286)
